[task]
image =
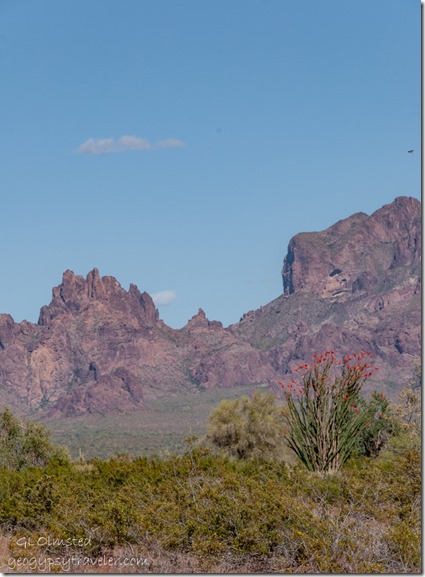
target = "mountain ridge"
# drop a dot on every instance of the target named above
(98, 348)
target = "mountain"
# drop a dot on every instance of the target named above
(98, 348)
(354, 286)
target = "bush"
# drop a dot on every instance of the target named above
(382, 426)
(26, 444)
(408, 411)
(225, 515)
(247, 428)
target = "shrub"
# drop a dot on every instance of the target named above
(247, 428)
(225, 515)
(381, 427)
(26, 444)
(408, 410)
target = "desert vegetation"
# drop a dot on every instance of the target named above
(328, 420)
(238, 500)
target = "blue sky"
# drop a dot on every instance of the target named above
(179, 145)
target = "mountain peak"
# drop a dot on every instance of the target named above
(77, 294)
(200, 321)
(336, 261)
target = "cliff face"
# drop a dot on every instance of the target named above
(354, 286)
(355, 254)
(98, 348)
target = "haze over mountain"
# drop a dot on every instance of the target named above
(98, 348)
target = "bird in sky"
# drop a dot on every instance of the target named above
(410, 151)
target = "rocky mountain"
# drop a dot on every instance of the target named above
(98, 348)
(354, 286)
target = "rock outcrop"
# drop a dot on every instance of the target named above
(354, 286)
(98, 348)
(356, 253)
(83, 355)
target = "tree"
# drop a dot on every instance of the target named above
(247, 428)
(324, 412)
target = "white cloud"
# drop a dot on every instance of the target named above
(95, 146)
(163, 297)
(107, 145)
(170, 143)
(132, 143)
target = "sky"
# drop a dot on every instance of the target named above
(180, 144)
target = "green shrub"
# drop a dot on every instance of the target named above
(26, 444)
(380, 428)
(247, 428)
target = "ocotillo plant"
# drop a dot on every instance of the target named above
(324, 413)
